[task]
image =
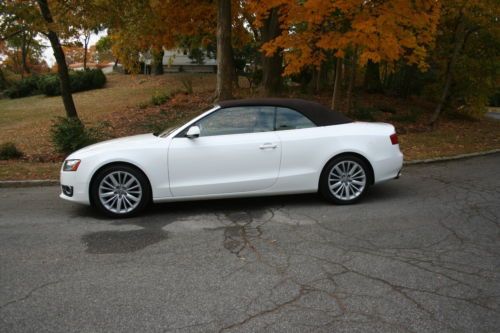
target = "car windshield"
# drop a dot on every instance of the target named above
(169, 130)
(166, 132)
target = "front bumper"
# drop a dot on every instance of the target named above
(79, 189)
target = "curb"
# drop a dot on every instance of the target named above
(495, 115)
(53, 182)
(28, 183)
(451, 158)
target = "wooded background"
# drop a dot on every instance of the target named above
(444, 51)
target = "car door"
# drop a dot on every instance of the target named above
(237, 151)
(302, 147)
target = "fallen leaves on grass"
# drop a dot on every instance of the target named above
(25, 170)
(453, 136)
(180, 108)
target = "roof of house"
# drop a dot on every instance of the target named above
(317, 113)
(90, 65)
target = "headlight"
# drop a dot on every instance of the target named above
(71, 165)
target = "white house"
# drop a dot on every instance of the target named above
(105, 67)
(178, 61)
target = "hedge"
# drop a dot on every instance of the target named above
(79, 81)
(25, 87)
(49, 84)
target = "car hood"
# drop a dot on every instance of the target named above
(129, 142)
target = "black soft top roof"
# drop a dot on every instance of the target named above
(317, 113)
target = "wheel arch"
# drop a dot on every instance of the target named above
(371, 174)
(116, 163)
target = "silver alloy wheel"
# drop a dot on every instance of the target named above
(120, 192)
(347, 180)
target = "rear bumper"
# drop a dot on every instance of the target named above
(389, 167)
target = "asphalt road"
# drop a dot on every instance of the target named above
(493, 115)
(420, 254)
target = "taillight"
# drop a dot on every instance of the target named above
(394, 139)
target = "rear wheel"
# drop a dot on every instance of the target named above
(120, 191)
(344, 180)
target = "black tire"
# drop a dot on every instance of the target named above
(352, 183)
(140, 182)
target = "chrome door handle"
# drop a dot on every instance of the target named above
(268, 146)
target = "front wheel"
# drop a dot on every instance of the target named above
(344, 180)
(120, 191)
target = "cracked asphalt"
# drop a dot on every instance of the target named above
(420, 254)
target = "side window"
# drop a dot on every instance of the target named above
(287, 119)
(237, 120)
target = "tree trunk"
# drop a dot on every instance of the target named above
(158, 59)
(352, 79)
(24, 61)
(372, 78)
(86, 40)
(236, 77)
(336, 84)
(225, 66)
(313, 84)
(459, 42)
(62, 67)
(85, 58)
(25, 45)
(320, 77)
(271, 66)
(3, 81)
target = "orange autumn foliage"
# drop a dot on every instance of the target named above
(381, 30)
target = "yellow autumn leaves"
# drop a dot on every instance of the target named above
(381, 30)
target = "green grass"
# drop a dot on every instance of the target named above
(26, 121)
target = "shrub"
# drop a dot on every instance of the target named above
(24, 87)
(143, 105)
(8, 150)
(387, 109)
(408, 117)
(87, 80)
(4, 83)
(98, 79)
(49, 85)
(70, 134)
(495, 100)
(365, 113)
(188, 85)
(160, 98)
(156, 125)
(79, 81)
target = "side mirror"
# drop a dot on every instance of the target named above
(193, 132)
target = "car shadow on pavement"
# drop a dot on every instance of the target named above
(149, 227)
(379, 193)
(160, 214)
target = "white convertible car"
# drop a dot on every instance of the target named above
(238, 148)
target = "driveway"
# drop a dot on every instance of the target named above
(420, 254)
(494, 113)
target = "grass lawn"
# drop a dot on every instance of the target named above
(19, 170)
(26, 121)
(451, 139)
(122, 103)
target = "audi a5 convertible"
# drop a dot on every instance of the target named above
(238, 148)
